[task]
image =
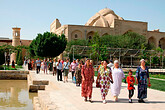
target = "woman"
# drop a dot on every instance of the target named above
(66, 66)
(104, 75)
(142, 74)
(42, 65)
(50, 65)
(54, 67)
(117, 75)
(87, 73)
(45, 66)
(13, 64)
(78, 73)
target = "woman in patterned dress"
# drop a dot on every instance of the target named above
(87, 73)
(105, 77)
(142, 75)
(78, 73)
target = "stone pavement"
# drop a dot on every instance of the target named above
(66, 96)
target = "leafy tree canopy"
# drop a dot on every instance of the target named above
(48, 45)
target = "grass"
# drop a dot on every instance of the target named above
(160, 76)
(10, 68)
(155, 84)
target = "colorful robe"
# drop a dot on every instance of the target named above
(142, 76)
(104, 81)
(87, 84)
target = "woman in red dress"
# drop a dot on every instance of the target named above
(87, 73)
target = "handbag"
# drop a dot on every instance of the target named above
(74, 79)
(98, 83)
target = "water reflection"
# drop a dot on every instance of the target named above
(14, 95)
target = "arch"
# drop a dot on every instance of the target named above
(128, 31)
(105, 34)
(152, 41)
(76, 35)
(90, 35)
(162, 43)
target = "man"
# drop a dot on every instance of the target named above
(59, 70)
(38, 65)
(110, 64)
(73, 67)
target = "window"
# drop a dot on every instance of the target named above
(90, 37)
(16, 34)
(76, 36)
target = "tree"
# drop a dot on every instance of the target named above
(48, 45)
(17, 56)
(76, 42)
(20, 60)
(2, 57)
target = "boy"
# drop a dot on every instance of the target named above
(130, 81)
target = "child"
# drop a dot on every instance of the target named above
(130, 81)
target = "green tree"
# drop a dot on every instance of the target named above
(2, 57)
(48, 45)
(20, 59)
(76, 42)
(17, 56)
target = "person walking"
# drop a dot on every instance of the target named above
(78, 73)
(130, 81)
(45, 66)
(66, 66)
(50, 66)
(87, 73)
(110, 64)
(117, 75)
(142, 75)
(38, 65)
(59, 70)
(54, 67)
(105, 77)
(73, 67)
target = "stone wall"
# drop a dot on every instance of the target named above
(13, 74)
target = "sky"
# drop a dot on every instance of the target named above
(35, 16)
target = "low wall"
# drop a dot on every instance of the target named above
(13, 74)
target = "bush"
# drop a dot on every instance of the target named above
(20, 61)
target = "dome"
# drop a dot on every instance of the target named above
(104, 18)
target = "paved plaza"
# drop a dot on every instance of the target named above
(66, 96)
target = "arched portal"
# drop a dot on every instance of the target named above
(76, 35)
(162, 43)
(90, 35)
(152, 41)
(105, 34)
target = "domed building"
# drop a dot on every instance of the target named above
(107, 22)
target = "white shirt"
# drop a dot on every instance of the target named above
(117, 75)
(110, 65)
(59, 67)
(66, 65)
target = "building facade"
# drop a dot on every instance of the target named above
(106, 22)
(15, 42)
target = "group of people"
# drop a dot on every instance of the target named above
(109, 76)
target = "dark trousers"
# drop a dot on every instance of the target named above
(73, 74)
(131, 93)
(54, 71)
(38, 69)
(59, 74)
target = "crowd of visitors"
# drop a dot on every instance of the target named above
(109, 76)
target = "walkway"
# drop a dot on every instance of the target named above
(66, 96)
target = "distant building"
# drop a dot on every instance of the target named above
(15, 42)
(106, 22)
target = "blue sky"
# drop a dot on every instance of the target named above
(35, 16)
